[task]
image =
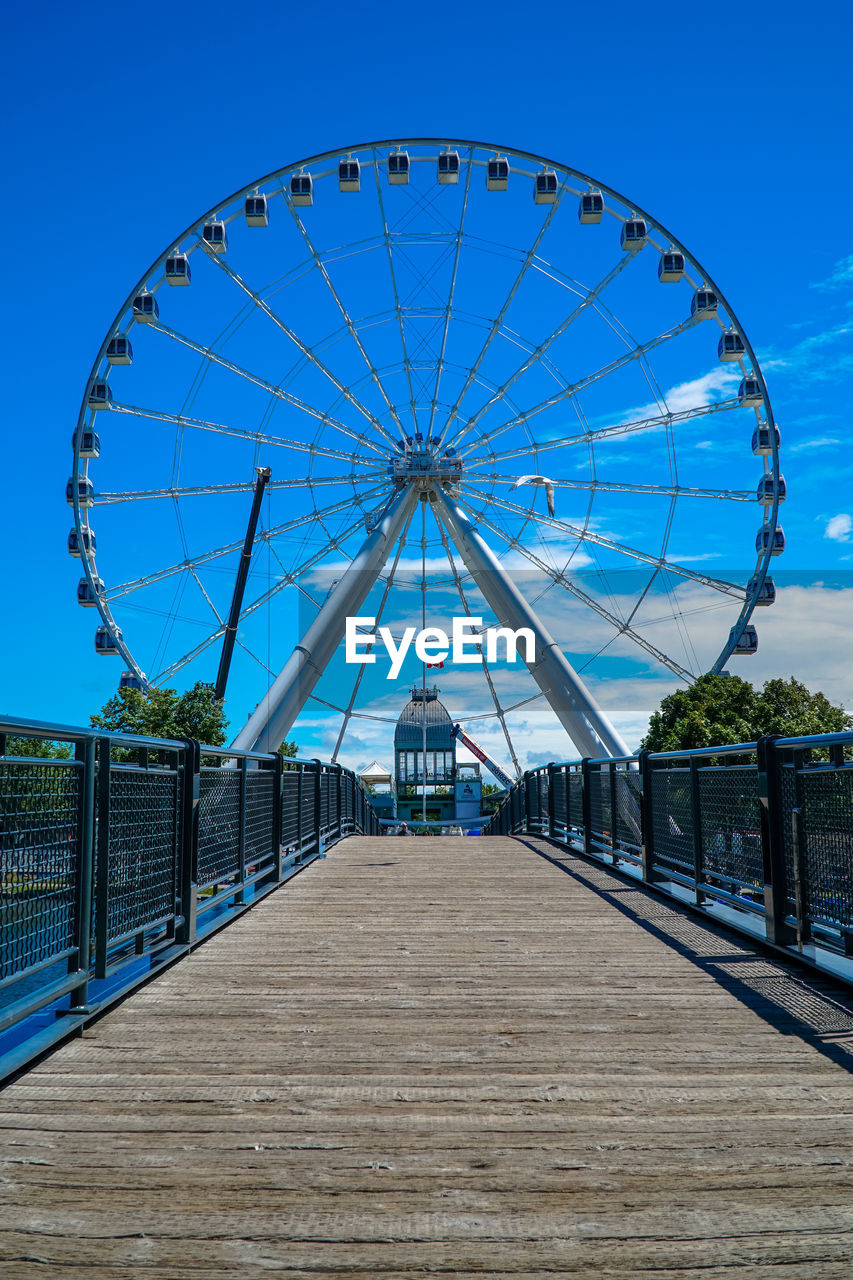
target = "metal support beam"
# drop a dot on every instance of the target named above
(273, 718)
(578, 712)
(240, 586)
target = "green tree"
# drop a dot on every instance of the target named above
(721, 710)
(38, 748)
(288, 749)
(790, 709)
(164, 713)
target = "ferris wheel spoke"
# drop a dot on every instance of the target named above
(539, 352)
(666, 490)
(348, 711)
(561, 580)
(279, 392)
(240, 486)
(194, 562)
(288, 579)
(604, 433)
(397, 304)
(448, 311)
(499, 710)
(499, 319)
(306, 351)
(634, 553)
(347, 319)
(571, 389)
(260, 437)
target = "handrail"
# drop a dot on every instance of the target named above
(118, 860)
(754, 831)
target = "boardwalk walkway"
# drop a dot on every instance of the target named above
(450, 1057)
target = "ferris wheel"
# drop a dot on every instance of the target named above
(472, 374)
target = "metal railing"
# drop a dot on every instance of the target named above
(118, 855)
(762, 829)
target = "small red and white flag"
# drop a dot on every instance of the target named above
(430, 665)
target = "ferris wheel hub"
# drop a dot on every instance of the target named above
(425, 465)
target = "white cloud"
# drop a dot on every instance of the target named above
(839, 528)
(842, 274)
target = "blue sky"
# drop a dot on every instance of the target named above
(731, 130)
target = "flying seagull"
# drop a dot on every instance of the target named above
(540, 480)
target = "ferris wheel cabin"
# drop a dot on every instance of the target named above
(349, 175)
(730, 346)
(85, 491)
(129, 680)
(100, 396)
(765, 594)
(746, 643)
(90, 444)
(119, 350)
(105, 643)
(86, 595)
(749, 392)
(302, 189)
(671, 267)
(591, 207)
(762, 445)
(704, 303)
(178, 269)
(770, 537)
(497, 174)
(398, 168)
(145, 307)
(448, 167)
(634, 233)
(770, 487)
(545, 187)
(255, 211)
(86, 541)
(214, 236)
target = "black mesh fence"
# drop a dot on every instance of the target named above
(143, 849)
(627, 819)
(558, 783)
(731, 826)
(218, 824)
(599, 805)
(672, 819)
(826, 853)
(574, 799)
(40, 805)
(258, 822)
(290, 820)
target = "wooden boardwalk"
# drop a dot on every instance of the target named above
(449, 1057)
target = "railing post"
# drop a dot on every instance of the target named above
(696, 818)
(188, 846)
(552, 823)
(773, 845)
(277, 787)
(340, 772)
(102, 865)
(614, 814)
(84, 751)
(318, 793)
(647, 817)
(586, 805)
(243, 767)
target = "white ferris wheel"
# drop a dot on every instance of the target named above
(474, 375)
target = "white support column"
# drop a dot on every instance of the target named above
(578, 712)
(274, 716)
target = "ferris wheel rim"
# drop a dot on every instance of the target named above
(276, 175)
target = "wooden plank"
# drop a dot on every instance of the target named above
(444, 1056)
